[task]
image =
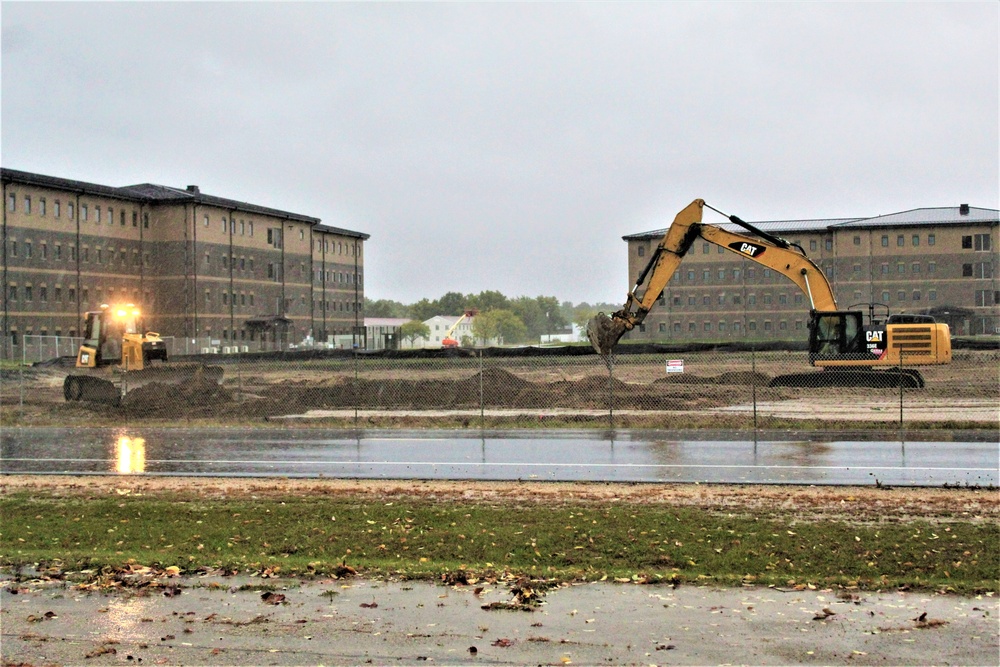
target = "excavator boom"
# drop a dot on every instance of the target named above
(838, 339)
(604, 332)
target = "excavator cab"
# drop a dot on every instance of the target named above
(837, 335)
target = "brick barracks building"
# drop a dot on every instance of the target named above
(941, 261)
(211, 270)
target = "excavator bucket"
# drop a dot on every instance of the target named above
(604, 333)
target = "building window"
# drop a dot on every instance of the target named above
(663, 327)
(27, 293)
(145, 220)
(83, 213)
(56, 208)
(930, 239)
(812, 245)
(916, 295)
(706, 275)
(856, 268)
(752, 325)
(27, 204)
(41, 206)
(12, 202)
(828, 244)
(931, 267)
(43, 293)
(981, 242)
(704, 248)
(692, 326)
(641, 251)
(967, 270)
(984, 297)
(27, 249)
(932, 295)
(205, 221)
(915, 267)
(901, 295)
(900, 268)
(111, 216)
(767, 325)
(783, 299)
(97, 215)
(857, 240)
(885, 241)
(900, 241)
(708, 326)
(885, 297)
(12, 292)
(916, 239)
(69, 210)
(885, 269)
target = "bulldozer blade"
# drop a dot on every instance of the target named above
(171, 374)
(109, 388)
(604, 333)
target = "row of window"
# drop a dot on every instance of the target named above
(106, 215)
(247, 299)
(931, 239)
(100, 255)
(901, 240)
(29, 292)
(735, 299)
(722, 326)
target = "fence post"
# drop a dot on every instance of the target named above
(24, 350)
(611, 392)
(753, 386)
(901, 381)
(482, 399)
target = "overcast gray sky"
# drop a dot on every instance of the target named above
(510, 146)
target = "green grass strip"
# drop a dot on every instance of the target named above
(425, 539)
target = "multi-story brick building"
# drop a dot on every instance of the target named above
(942, 261)
(210, 270)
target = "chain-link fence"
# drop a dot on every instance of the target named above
(706, 388)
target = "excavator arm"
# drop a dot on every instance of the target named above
(763, 248)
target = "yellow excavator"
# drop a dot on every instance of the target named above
(851, 351)
(116, 357)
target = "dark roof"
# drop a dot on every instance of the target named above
(943, 215)
(773, 226)
(151, 193)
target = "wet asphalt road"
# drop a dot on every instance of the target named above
(225, 621)
(522, 455)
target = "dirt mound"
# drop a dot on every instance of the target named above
(200, 396)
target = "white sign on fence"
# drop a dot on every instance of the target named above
(675, 365)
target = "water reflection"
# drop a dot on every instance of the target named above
(131, 455)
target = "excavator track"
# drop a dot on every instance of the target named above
(908, 378)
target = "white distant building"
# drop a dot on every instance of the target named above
(575, 336)
(382, 333)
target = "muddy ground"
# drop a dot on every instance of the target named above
(710, 382)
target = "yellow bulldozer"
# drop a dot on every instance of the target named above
(116, 357)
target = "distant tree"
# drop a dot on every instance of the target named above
(413, 330)
(489, 300)
(499, 324)
(384, 308)
(452, 303)
(423, 310)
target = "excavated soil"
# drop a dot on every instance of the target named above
(259, 391)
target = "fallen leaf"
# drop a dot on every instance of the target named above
(271, 597)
